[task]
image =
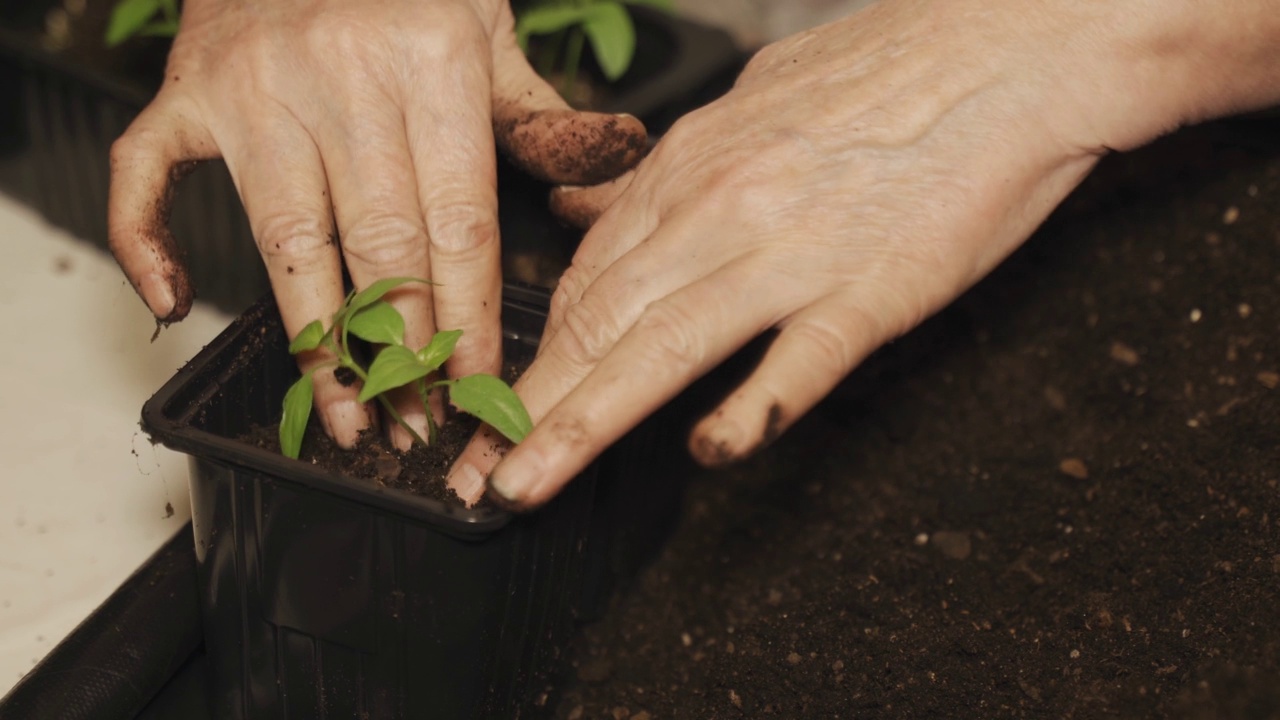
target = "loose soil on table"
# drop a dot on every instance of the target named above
(1057, 499)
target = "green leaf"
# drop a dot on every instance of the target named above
(439, 349)
(309, 339)
(378, 323)
(613, 37)
(160, 28)
(170, 8)
(547, 19)
(297, 411)
(395, 366)
(374, 293)
(494, 402)
(128, 17)
(666, 5)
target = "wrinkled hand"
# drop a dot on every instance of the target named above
(856, 179)
(372, 121)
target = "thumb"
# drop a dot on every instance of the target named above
(582, 206)
(542, 135)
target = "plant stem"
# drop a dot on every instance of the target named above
(347, 362)
(573, 58)
(433, 431)
(550, 51)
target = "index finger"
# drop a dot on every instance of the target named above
(146, 162)
(449, 128)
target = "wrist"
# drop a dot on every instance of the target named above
(1163, 64)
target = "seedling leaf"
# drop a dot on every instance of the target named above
(395, 366)
(128, 17)
(546, 19)
(378, 323)
(297, 411)
(667, 5)
(494, 402)
(374, 293)
(309, 339)
(613, 37)
(160, 28)
(439, 349)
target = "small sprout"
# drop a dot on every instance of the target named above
(606, 24)
(368, 317)
(142, 18)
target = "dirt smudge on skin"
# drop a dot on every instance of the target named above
(772, 426)
(166, 249)
(712, 453)
(565, 147)
(345, 376)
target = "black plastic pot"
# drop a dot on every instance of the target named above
(327, 597)
(62, 110)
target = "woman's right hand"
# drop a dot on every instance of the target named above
(358, 133)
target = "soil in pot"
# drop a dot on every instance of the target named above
(421, 470)
(1058, 499)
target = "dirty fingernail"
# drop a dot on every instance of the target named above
(157, 294)
(344, 421)
(718, 444)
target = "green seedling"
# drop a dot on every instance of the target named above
(606, 24)
(367, 316)
(142, 18)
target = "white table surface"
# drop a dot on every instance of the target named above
(83, 493)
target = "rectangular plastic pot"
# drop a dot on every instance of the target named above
(327, 597)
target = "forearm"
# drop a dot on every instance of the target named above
(1178, 62)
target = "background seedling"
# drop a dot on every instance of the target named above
(367, 316)
(138, 18)
(605, 23)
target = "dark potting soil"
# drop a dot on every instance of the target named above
(421, 470)
(1057, 499)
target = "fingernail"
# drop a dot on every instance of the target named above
(467, 482)
(626, 116)
(344, 421)
(401, 437)
(157, 294)
(718, 444)
(503, 489)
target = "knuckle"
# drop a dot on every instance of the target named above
(671, 334)
(454, 29)
(828, 347)
(126, 147)
(462, 228)
(572, 285)
(337, 35)
(588, 333)
(385, 241)
(760, 62)
(299, 240)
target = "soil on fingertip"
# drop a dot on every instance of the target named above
(1060, 498)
